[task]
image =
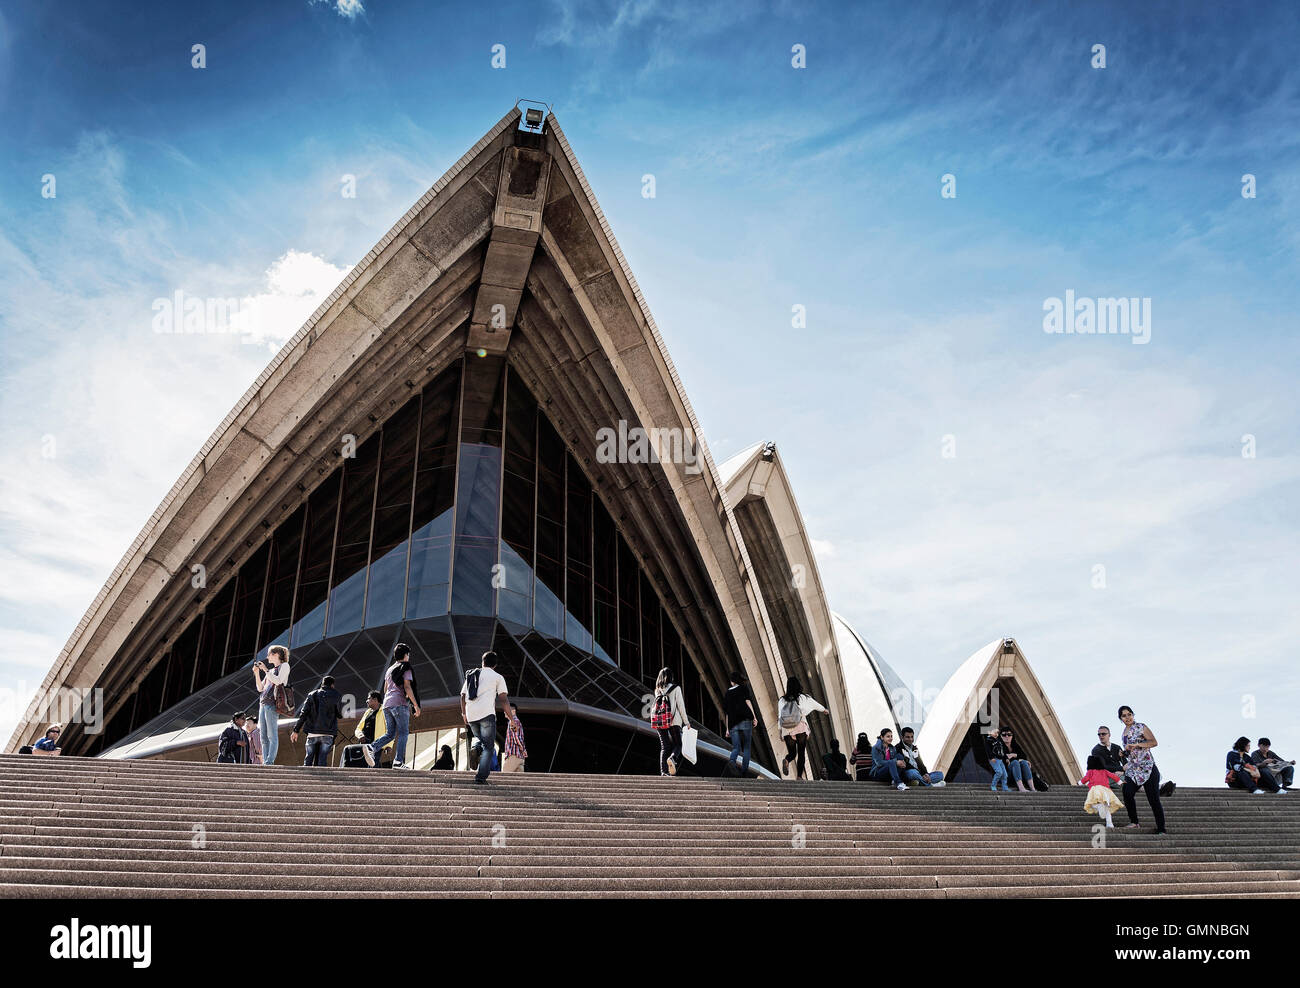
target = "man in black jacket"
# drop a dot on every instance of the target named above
(320, 713)
(835, 763)
(1112, 755)
(232, 746)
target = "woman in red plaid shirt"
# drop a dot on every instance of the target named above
(515, 750)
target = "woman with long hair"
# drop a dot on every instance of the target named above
(266, 680)
(668, 717)
(792, 715)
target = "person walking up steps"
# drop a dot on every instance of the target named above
(792, 712)
(478, 706)
(399, 697)
(1101, 799)
(516, 753)
(668, 719)
(320, 715)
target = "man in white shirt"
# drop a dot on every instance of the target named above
(478, 704)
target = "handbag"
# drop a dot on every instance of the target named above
(689, 736)
(284, 701)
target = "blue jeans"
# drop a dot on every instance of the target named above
(397, 721)
(268, 728)
(999, 774)
(890, 768)
(742, 740)
(485, 732)
(1021, 772)
(318, 751)
(912, 775)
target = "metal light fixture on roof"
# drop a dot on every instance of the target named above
(532, 118)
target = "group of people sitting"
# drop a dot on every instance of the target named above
(899, 764)
(1263, 771)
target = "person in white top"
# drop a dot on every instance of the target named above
(478, 705)
(268, 720)
(792, 712)
(668, 717)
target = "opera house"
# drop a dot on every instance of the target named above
(422, 462)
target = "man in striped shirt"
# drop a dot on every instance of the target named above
(515, 750)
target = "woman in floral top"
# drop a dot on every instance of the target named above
(1140, 771)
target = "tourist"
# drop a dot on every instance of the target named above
(861, 757)
(668, 717)
(836, 764)
(793, 711)
(320, 714)
(267, 680)
(399, 697)
(49, 742)
(1112, 755)
(1279, 767)
(738, 708)
(885, 763)
(995, 750)
(254, 740)
(446, 760)
(1017, 764)
(516, 753)
(478, 705)
(1245, 774)
(1100, 800)
(232, 745)
(1140, 771)
(915, 770)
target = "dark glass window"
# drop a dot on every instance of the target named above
(212, 642)
(518, 505)
(282, 574)
(435, 496)
(149, 695)
(352, 550)
(629, 612)
(549, 587)
(577, 594)
(386, 598)
(605, 582)
(477, 500)
(247, 615)
(317, 553)
(181, 680)
(651, 659)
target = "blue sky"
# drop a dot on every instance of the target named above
(775, 187)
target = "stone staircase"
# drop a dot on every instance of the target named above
(84, 827)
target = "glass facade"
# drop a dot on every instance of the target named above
(463, 523)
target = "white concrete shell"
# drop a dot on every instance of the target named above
(996, 686)
(582, 336)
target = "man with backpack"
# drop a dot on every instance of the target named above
(320, 713)
(233, 743)
(478, 704)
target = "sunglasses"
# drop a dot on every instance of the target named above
(1006, 734)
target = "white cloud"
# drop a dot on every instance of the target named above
(345, 8)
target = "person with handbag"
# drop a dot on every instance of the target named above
(668, 717)
(1244, 774)
(272, 686)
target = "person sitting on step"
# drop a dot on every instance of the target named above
(1266, 757)
(916, 770)
(835, 762)
(1242, 773)
(886, 765)
(861, 757)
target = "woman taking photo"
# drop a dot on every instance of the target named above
(792, 713)
(668, 718)
(1141, 770)
(268, 718)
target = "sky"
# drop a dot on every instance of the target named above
(1124, 509)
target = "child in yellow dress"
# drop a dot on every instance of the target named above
(1101, 798)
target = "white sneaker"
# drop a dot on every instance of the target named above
(368, 755)
(1258, 792)
(938, 785)
(1281, 792)
(902, 787)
